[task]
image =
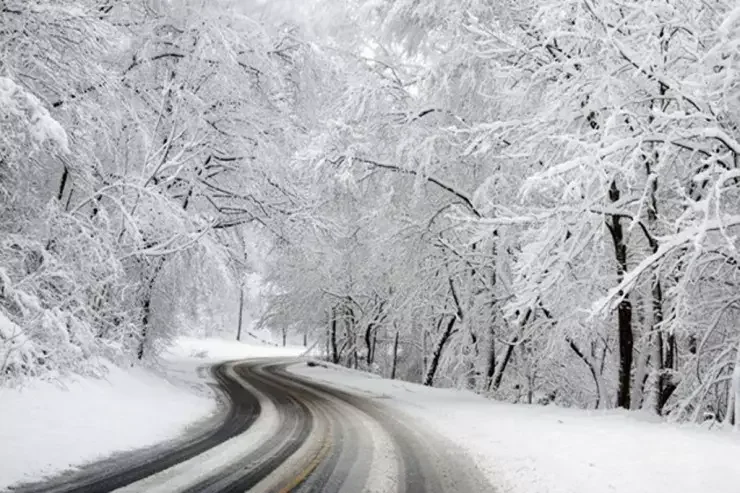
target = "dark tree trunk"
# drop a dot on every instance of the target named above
(624, 310)
(437, 354)
(146, 314)
(665, 345)
(395, 356)
(285, 337)
(491, 364)
(442, 342)
(499, 371)
(333, 337)
(498, 378)
(371, 333)
(626, 345)
(473, 373)
(63, 184)
(369, 343)
(144, 327)
(424, 344)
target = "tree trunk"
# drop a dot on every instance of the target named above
(333, 337)
(624, 310)
(63, 184)
(144, 325)
(369, 343)
(395, 356)
(442, 342)
(472, 371)
(424, 347)
(241, 309)
(499, 373)
(626, 343)
(591, 369)
(285, 337)
(147, 312)
(730, 418)
(665, 382)
(666, 379)
(437, 354)
(491, 364)
(375, 343)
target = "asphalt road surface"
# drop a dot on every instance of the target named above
(283, 433)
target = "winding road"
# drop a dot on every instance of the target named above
(284, 433)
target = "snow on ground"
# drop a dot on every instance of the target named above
(213, 349)
(48, 427)
(532, 449)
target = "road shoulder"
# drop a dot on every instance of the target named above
(53, 429)
(535, 449)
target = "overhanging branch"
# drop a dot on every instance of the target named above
(444, 186)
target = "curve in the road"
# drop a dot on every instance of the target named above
(127, 468)
(296, 423)
(323, 440)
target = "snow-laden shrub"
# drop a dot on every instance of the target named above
(17, 352)
(31, 121)
(62, 287)
(26, 127)
(63, 301)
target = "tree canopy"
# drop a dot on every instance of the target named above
(535, 200)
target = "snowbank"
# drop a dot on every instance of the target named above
(46, 428)
(531, 449)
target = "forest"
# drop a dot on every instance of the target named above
(537, 200)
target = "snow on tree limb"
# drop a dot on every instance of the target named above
(16, 101)
(668, 245)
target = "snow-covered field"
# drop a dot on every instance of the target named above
(46, 428)
(530, 449)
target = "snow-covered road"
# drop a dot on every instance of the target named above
(288, 433)
(326, 428)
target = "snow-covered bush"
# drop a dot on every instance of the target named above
(66, 300)
(133, 139)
